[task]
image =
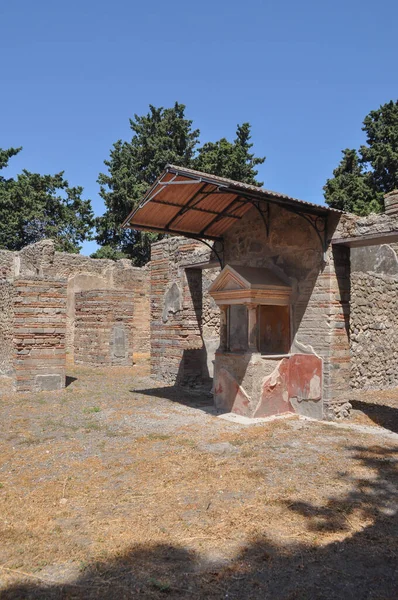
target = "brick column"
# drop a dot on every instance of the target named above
(39, 334)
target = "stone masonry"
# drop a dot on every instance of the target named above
(320, 284)
(122, 291)
(104, 329)
(6, 326)
(180, 352)
(83, 274)
(184, 318)
(374, 317)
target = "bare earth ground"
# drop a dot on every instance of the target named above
(118, 488)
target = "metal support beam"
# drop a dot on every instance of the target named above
(222, 214)
(186, 234)
(203, 210)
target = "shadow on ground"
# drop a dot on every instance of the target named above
(69, 380)
(362, 566)
(201, 399)
(385, 416)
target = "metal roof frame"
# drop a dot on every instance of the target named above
(261, 199)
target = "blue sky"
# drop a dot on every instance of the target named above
(304, 74)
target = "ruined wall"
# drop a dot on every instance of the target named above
(39, 333)
(184, 318)
(83, 274)
(6, 326)
(320, 284)
(374, 317)
(7, 264)
(104, 330)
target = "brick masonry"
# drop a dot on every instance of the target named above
(83, 274)
(320, 284)
(184, 318)
(181, 306)
(39, 307)
(104, 329)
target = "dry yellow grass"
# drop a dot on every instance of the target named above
(149, 496)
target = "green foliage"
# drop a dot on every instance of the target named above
(34, 207)
(162, 136)
(381, 152)
(5, 156)
(351, 187)
(232, 160)
(363, 177)
(108, 252)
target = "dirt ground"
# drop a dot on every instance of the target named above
(119, 488)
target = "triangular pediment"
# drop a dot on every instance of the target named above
(234, 277)
(240, 285)
(228, 279)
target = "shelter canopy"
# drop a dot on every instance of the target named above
(187, 202)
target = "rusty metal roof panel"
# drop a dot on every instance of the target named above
(186, 201)
(246, 187)
(156, 214)
(193, 221)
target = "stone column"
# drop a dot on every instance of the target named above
(252, 329)
(223, 347)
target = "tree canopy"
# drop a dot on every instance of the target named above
(363, 177)
(34, 207)
(163, 135)
(232, 160)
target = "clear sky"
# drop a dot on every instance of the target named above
(303, 73)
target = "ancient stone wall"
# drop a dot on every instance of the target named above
(6, 326)
(320, 284)
(83, 274)
(104, 330)
(374, 317)
(39, 333)
(7, 264)
(184, 318)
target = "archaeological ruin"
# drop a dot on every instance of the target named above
(273, 304)
(58, 307)
(287, 307)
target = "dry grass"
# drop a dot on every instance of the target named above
(103, 489)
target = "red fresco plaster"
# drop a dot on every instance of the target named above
(299, 376)
(274, 395)
(229, 395)
(305, 377)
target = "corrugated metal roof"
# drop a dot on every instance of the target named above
(185, 201)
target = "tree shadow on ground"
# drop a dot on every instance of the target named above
(362, 566)
(385, 416)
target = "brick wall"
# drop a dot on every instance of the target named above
(39, 333)
(140, 296)
(184, 318)
(83, 274)
(320, 285)
(104, 330)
